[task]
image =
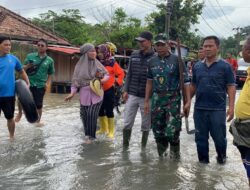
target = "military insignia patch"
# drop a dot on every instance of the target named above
(161, 80)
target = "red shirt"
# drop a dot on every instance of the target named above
(233, 63)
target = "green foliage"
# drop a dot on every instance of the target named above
(228, 45)
(232, 43)
(121, 30)
(244, 32)
(184, 14)
(68, 24)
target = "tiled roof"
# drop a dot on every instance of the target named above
(20, 28)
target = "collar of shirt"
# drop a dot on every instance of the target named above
(37, 55)
(165, 57)
(205, 60)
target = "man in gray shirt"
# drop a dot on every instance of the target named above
(134, 88)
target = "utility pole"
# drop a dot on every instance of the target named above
(237, 37)
(169, 8)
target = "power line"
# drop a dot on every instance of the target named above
(215, 20)
(210, 26)
(228, 6)
(139, 4)
(224, 13)
(219, 16)
(93, 9)
(54, 5)
(139, 13)
(149, 2)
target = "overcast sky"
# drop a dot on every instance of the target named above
(219, 17)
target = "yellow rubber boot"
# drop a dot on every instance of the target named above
(111, 124)
(103, 125)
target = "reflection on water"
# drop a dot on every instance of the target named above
(54, 157)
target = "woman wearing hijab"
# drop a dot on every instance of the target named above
(86, 70)
(116, 75)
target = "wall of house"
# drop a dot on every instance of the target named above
(64, 68)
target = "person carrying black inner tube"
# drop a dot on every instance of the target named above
(8, 65)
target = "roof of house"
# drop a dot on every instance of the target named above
(65, 49)
(20, 28)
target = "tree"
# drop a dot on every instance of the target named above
(184, 14)
(68, 24)
(228, 45)
(232, 43)
(120, 29)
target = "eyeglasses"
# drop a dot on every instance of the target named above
(40, 45)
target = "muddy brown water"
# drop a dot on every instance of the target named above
(54, 157)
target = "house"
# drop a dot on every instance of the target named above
(21, 29)
(65, 60)
(25, 34)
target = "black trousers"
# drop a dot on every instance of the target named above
(38, 94)
(108, 103)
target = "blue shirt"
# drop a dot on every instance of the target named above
(211, 84)
(8, 65)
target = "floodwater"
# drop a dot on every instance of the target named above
(54, 157)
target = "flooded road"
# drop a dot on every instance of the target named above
(53, 157)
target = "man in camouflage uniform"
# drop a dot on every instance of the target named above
(163, 86)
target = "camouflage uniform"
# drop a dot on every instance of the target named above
(166, 120)
(166, 99)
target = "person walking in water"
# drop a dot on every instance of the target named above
(8, 65)
(87, 69)
(134, 88)
(240, 127)
(163, 87)
(116, 75)
(41, 78)
(212, 80)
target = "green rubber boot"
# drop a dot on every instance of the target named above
(175, 151)
(161, 148)
(126, 137)
(144, 139)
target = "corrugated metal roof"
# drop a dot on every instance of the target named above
(67, 50)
